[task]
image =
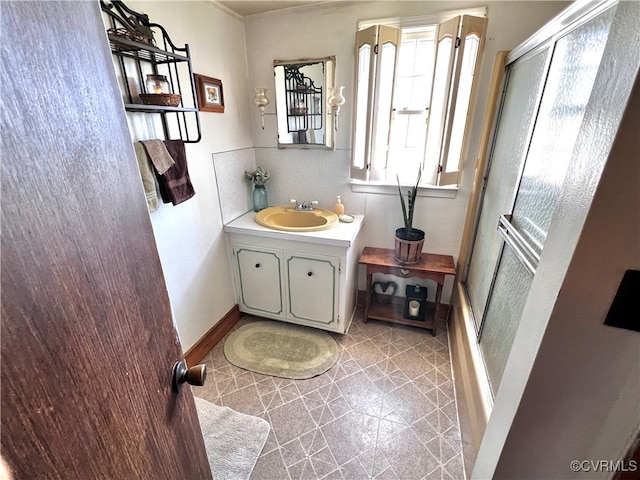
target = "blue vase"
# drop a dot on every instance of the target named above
(259, 198)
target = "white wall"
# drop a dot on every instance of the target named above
(190, 239)
(321, 175)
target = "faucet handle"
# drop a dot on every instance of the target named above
(314, 202)
(293, 200)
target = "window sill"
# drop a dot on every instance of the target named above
(391, 189)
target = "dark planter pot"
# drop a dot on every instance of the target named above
(409, 247)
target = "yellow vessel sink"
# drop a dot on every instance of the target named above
(290, 220)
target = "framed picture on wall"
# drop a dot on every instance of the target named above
(209, 92)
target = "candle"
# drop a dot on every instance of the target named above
(157, 84)
(414, 308)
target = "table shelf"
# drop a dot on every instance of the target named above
(432, 267)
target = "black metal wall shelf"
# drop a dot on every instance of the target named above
(132, 39)
(138, 107)
(142, 51)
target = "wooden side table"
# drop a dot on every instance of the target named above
(432, 267)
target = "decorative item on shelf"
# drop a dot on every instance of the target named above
(299, 108)
(135, 26)
(379, 292)
(260, 100)
(157, 84)
(415, 305)
(161, 99)
(259, 179)
(128, 34)
(409, 240)
(334, 101)
(159, 92)
(209, 93)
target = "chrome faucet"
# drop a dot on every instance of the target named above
(303, 206)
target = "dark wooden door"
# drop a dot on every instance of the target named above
(87, 336)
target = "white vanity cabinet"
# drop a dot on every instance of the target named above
(298, 287)
(308, 279)
(259, 279)
(313, 284)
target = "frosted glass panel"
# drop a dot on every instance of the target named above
(509, 149)
(503, 316)
(573, 70)
(567, 89)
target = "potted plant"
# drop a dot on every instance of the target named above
(409, 240)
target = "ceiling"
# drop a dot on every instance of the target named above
(251, 7)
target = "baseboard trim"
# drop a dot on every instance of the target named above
(210, 339)
(473, 393)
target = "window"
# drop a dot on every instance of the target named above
(414, 89)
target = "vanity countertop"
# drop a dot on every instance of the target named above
(343, 235)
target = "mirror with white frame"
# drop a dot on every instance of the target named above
(301, 96)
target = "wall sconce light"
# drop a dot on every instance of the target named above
(334, 101)
(261, 101)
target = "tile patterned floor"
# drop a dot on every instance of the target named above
(386, 410)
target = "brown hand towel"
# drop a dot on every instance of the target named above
(175, 184)
(159, 155)
(148, 179)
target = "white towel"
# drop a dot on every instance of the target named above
(148, 178)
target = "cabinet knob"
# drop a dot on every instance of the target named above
(309, 274)
(257, 265)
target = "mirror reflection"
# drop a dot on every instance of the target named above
(301, 95)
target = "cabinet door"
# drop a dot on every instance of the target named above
(259, 279)
(312, 282)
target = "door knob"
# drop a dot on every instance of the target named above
(193, 376)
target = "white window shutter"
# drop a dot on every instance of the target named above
(365, 64)
(386, 59)
(446, 36)
(467, 66)
(376, 54)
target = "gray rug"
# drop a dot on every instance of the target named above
(233, 440)
(281, 349)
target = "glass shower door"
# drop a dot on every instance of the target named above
(523, 89)
(523, 226)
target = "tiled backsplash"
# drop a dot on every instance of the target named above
(301, 174)
(234, 190)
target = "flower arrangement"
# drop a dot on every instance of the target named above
(259, 177)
